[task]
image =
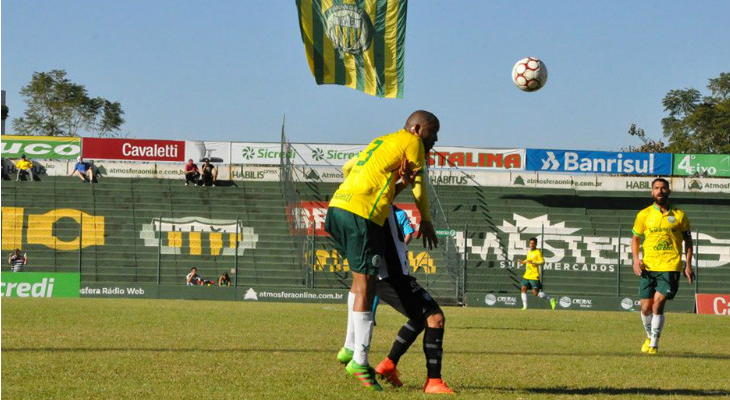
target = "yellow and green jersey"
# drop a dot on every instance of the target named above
(24, 164)
(532, 267)
(369, 185)
(663, 235)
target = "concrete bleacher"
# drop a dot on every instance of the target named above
(483, 210)
(43, 219)
(127, 206)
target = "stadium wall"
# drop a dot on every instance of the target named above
(583, 222)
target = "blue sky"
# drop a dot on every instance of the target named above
(229, 70)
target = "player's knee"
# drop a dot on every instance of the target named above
(437, 321)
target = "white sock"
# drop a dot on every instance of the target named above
(646, 320)
(543, 295)
(524, 299)
(363, 323)
(657, 324)
(350, 335)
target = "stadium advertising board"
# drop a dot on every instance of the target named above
(294, 295)
(133, 149)
(707, 165)
(41, 147)
(39, 284)
(578, 302)
(599, 162)
(476, 158)
(716, 304)
(251, 173)
(258, 153)
(217, 152)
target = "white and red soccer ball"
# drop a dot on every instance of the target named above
(529, 74)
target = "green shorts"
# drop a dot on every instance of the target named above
(531, 284)
(666, 283)
(359, 240)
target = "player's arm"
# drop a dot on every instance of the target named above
(25, 259)
(348, 166)
(688, 272)
(638, 232)
(416, 160)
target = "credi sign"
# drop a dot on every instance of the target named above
(133, 149)
(717, 304)
(42, 229)
(41, 147)
(39, 284)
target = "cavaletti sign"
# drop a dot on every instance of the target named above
(41, 147)
(133, 149)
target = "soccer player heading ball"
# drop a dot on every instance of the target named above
(663, 228)
(360, 207)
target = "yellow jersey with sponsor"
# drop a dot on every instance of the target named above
(532, 267)
(663, 234)
(24, 164)
(369, 185)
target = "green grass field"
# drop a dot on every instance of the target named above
(158, 349)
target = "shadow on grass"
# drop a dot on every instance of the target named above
(589, 391)
(294, 350)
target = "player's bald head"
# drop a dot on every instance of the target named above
(422, 117)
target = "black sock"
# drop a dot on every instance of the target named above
(432, 348)
(406, 336)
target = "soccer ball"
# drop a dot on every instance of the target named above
(529, 74)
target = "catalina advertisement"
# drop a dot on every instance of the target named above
(599, 162)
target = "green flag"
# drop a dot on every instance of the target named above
(359, 44)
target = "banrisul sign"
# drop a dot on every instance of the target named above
(702, 164)
(39, 284)
(599, 162)
(41, 147)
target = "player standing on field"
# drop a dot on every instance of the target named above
(664, 229)
(356, 215)
(531, 278)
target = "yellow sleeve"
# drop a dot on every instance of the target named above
(348, 166)
(685, 223)
(415, 155)
(638, 229)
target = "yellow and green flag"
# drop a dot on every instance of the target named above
(356, 43)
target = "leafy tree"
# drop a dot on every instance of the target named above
(698, 124)
(648, 145)
(58, 107)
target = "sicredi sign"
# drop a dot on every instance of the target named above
(39, 284)
(134, 149)
(41, 147)
(599, 162)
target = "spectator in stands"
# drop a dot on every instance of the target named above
(193, 279)
(84, 170)
(210, 173)
(24, 167)
(224, 280)
(18, 261)
(191, 172)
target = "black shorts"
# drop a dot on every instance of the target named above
(408, 297)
